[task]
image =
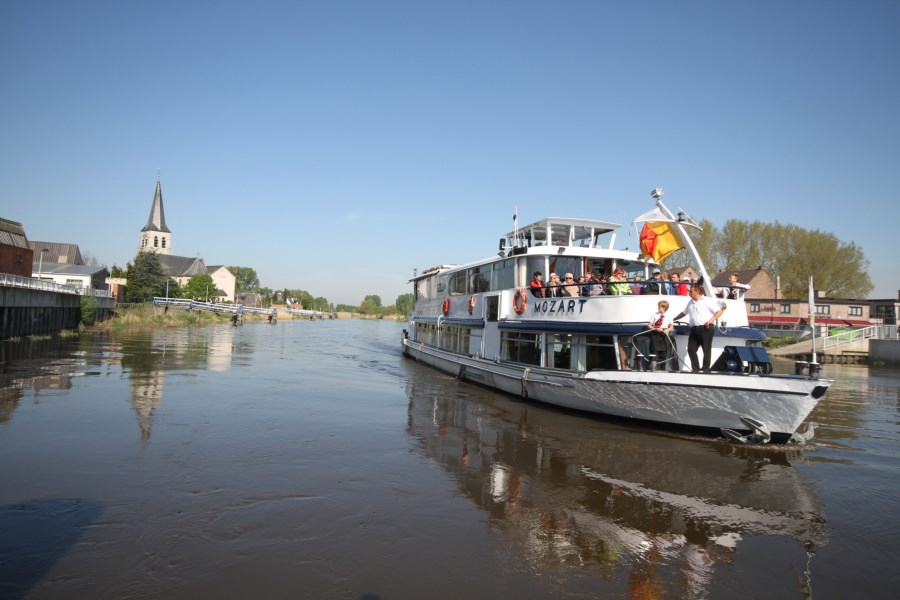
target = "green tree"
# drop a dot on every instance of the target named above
(199, 287)
(404, 304)
(115, 271)
(245, 279)
(789, 252)
(370, 305)
(146, 278)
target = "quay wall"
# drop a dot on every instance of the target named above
(884, 353)
(25, 311)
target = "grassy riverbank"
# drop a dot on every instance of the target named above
(158, 316)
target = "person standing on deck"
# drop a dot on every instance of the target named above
(702, 312)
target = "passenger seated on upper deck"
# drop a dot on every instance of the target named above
(596, 284)
(618, 283)
(569, 287)
(537, 286)
(553, 288)
(585, 285)
(652, 286)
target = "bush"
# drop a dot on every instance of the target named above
(88, 309)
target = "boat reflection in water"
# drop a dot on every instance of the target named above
(584, 494)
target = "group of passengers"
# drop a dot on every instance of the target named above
(617, 284)
(591, 284)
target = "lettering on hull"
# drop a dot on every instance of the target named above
(561, 306)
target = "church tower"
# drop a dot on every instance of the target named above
(155, 236)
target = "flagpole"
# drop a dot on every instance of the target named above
(677, 222)
(812, 316)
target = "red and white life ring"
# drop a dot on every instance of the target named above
(446, 306)
(471, 303)
(519, 302)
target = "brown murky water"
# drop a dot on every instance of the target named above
(310, 460)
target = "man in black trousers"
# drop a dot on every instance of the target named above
(702, 312)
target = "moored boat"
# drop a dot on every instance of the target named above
(483, 323)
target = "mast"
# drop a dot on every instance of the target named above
(678, 222)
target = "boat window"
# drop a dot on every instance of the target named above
(559, 351)
(479, 279)
(598, 265)
(458, 283)
(425, 333)
(536, 263)
(520, 347)
(503, 277)
(601, 353)
(632, 270)
(493, 308)
(441, 286)
(565, 264)
(448, 337)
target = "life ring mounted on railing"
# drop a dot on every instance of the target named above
(471, 303)
(446, 307)
(519, 302)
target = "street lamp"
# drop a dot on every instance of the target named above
(41, 261)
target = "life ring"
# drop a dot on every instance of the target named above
(519, 302)
(446, 307)
(471, 303)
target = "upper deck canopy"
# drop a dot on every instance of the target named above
(559, 231)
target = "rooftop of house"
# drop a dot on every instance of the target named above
(58, 252)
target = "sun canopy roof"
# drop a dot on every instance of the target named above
(560, 231)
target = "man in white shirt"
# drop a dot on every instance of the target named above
(702, 312)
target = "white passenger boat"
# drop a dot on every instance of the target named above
(480, 322)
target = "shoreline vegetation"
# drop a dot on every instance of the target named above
(157, 316)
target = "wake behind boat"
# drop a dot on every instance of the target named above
(483, 322)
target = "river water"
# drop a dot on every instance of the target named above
(311, 460)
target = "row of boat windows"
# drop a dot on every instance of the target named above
(574, 352)
(501, 275)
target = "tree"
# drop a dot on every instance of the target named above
(146, 278)
(245, 279)
(199, 287)
(789, 252)
(404, 304)
(115, 271)
(370, 305)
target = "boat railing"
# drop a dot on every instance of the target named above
(646, 358)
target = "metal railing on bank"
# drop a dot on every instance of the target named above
(231, 309)
(874, 332)
(31, 283)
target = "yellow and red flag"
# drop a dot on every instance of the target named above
(658, 241)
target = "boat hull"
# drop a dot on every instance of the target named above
(709, 401)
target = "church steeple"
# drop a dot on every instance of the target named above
(155, 236)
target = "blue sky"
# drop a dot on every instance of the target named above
(334, 146)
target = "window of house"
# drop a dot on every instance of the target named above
(856, 311)
(786, 308)
(823, 309)
(754, 307)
